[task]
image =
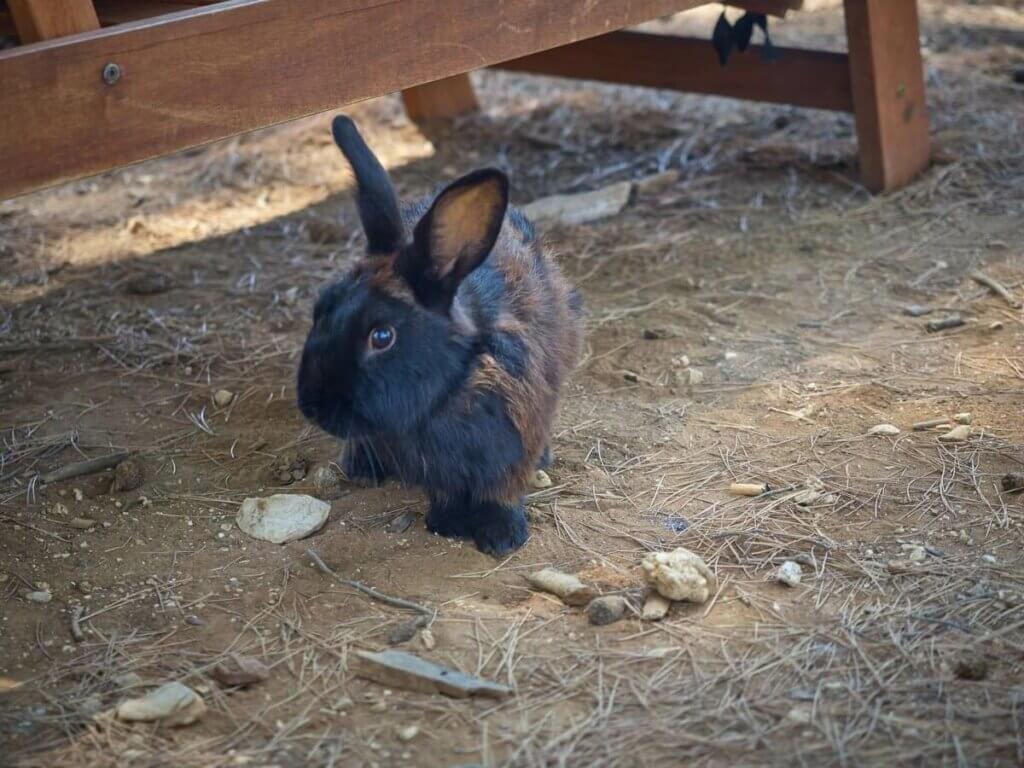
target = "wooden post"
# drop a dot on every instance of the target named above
(38, 20)
(447, 98)
(888, 91)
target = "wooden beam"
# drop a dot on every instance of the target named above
(46, 19)
(770, 7)
(805, 78)
(888, 91)
(197, 76)
(442, 99)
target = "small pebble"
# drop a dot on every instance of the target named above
(971, 666)
(39, 596)
(428, 640)
(789, 573)
(606, 610)
(81, 523)
(540, 479)
(989, 559)
(957, 434)
(962, 418)
(222, 398)
(127, 476)
(696, 377)
(915, 553)
(408, 732)
(884, 429)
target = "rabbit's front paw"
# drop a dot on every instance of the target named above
(360, 465)
(498, 529)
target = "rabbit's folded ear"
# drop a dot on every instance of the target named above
(455, 236)
(378, 206)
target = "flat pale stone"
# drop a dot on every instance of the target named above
(282, 517)
(171, 703)
(679, 575)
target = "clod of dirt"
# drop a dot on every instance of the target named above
(789, 573)
(171, 704)
(222, 398)
(679, 575)
(884, 429)
(580, 208)
(957, 434)
(963, 418)
(944, 323)
(748, 489)
(402, 523)
(127, 476)
(325, 231)
(695, 377)
(326, 483)
(1012, 482)
(59, 509)
(606, 610)
(38, 596)
(148, 284)
(240, 671)
(404, 632)
(540, 480)
(290, 466)
(569, 589)
(282, 517)
(655, 607)
(656, 334)
(971, 666)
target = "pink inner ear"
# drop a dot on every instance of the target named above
(461, 222)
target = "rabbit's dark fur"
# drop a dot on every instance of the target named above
(440, 356)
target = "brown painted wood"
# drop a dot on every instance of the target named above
(770, 7)
(202, 75)
(112, 12)
(441, 99)
(888, 91)
(805, 78)
(46, 19)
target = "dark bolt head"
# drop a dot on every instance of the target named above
(111, 73)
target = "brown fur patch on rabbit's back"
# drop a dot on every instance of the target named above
(541, 313)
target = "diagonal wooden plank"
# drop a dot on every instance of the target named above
(197, 76)
(45, 19)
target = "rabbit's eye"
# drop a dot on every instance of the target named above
(381, 338)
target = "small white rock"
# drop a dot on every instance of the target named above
(223, 397)
(989, 559)
(540, 479)
(963, 418)
(957, 434)
(171, 703)
(884, 429)
(696, 376)
(282, 517)
(915, 553)
(39, 596)
(408, 732)
(580, 208)
(428, 640)
(679, 575)
(789, 573)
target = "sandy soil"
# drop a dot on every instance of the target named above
(129, 300)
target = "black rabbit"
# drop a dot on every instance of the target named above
(441, 354)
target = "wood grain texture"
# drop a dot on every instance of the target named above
(441, 99)
(197, 76)
(804, 78)
(46, 19)
(888, 91)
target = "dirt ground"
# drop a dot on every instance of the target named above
(130, 299)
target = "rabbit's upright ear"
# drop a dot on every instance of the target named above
(455, 236)
(378, 206)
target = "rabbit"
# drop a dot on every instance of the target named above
(440, 356)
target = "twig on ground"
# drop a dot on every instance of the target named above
(396, 602)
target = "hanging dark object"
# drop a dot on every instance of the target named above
(727, 36)
(721, 39)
